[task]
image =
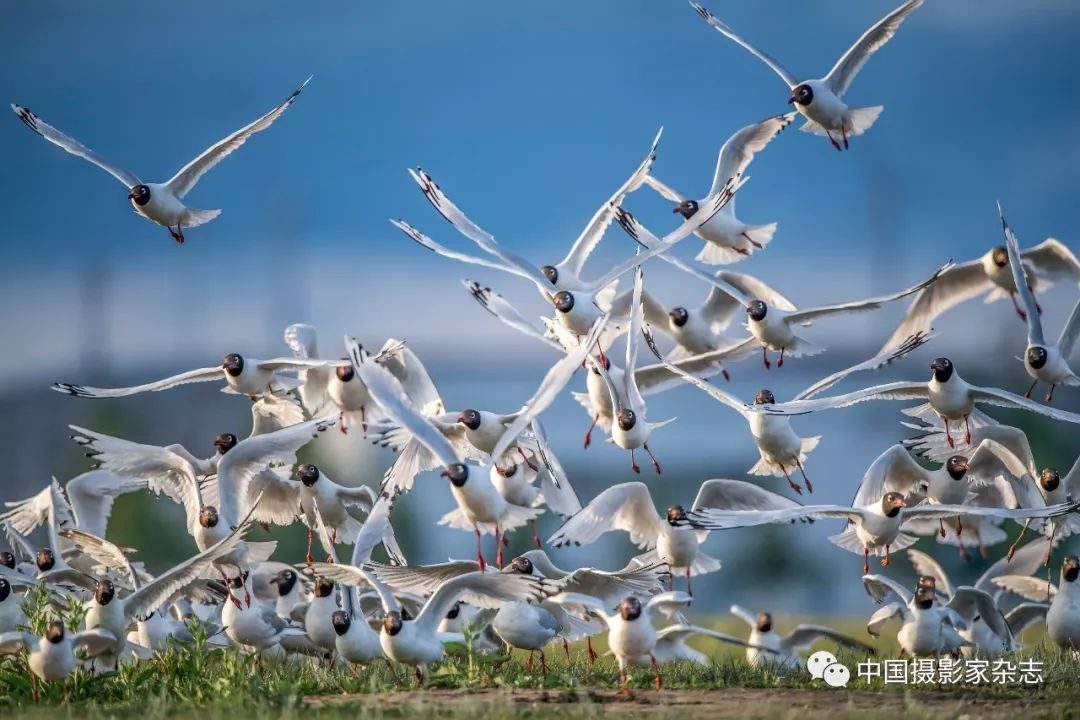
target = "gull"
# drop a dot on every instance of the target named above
(52, 656)
(318, 618)
(243, 376)
(951, 398)
(629, 507)
(927, 629)
(113, 613)
(990, 276)
(1043, 362)
(1063, 614)
(650, 379)
(671, 645)
(631, 634)
(576, 309)
(479, 504)
(253, 624)
(12, 614)
(767, 646)
(162, 203)
(327, 389)
(780, 448)
(728, 239)
(416, 641)
(876, 527)
(989, 637)
(820, 101)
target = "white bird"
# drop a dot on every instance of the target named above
(52, 656)
(162, 203)
(990, 276)
(480, 506)
(876, 527)
(631, 635)
(1063, 615)
(671, 645)
(927, 628)
(820, 101)
(417, 642)
(253, 624)
(577, 309)
(949, 397)
(244, 376)
(1047, 363)
(629, 507)
(780, 448)
(768, 647)
(12, 614)
(728, 239)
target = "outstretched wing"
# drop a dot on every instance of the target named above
(92, 495)
(848, 66)
(740, 148)
(628, 507)
(725, 30)
(181, 183)
(191, 376)
(73, 146)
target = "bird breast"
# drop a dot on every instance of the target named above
(677, 546)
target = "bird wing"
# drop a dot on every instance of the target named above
(92, 495)
(725, 30)
(13, 642)
(162, 470)
(485, 240)
(1004, 398)
(96, 641)
(893, 471)
(881, 587)
(1025, 561)
(992, 460)
(970, 603)
(926, 565)
(274, 412)
(943, 511)
(959, 283)
(682, 631)
(612, 587)
(73, 146)
(749, 288)
(181, 183)
(848, 66)
(747, 616)
(407, 367)
(559, 494)
(637, 323)
(487, 590)
(711, 519)
(239, 466)
(1027, 587)
(903, 390)
(740, 148)
(803, 636)
(392, 398)
(377, 530)
(1070, 332)
(102, 551)
(191, 376)
(1052, 260)
(163, 590)
(667, 603)
(421, 580)
(1024, 615)
(553, 383)
(708, 208)
(658, 377)
(933, 444)
(1027, 298)
(280, 495)
(884, 614)
(598, 225)
(506, 313)
(627, 506)
(713, 391)
(882, 359)
(811, 314)
(739, 495)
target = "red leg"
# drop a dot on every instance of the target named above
(780, 362)
(765, 357)
(948, 434)
(787, 477)
(310, 538)
(536, 535)
(1050, 542)
(499, 545)
(341, 424)
(741, 251)
(566, 649)
(843, 131)
(1023, 531)
(982, 548)
(529, 662)
(809, 487)
(1030, 389)
(1016, 306)
(543, 663)
(658, 681)
(180, 232)
(591, 653)
(634, 465)
(865, 560)
(964, 554)
(1050, 396)
(752, 241)
(588, 433)
(885, 557)
(726, 375)
(959, 527)
(688, 590)
(941, 526)
(480, 551)
(530, 463)
(623, 689)
(655, 464)
(832, 140)
(967, 430)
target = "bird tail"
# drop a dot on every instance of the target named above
(194, 218)
(808, 444)
(802, 347)
(760, 234)
(856, 121)
(715, 254)
(258, 552)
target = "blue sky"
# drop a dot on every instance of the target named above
(529, 115)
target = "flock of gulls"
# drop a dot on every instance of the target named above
(962, 476)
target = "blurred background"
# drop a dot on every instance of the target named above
(529, 116)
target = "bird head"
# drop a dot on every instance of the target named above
(957, 467)
(687, 208)
(45, 559)
(678, 316)
(764, 397)
(764, 622)
(5, 589)
(630, 608)
(345, 373)
(1070, 568)
(458, 474)
(924, 598)
(470, 418)
(627, 419)
(1000, 256)
(676, 515)
(341, 622)
(801, 95)
(551, 273)
(225, 442)
(139, 194)
(208, 517)
(308, 474)
(392, 623)
(1049, 479)
(891, 503)
(1037, 356)
(323, 587)
(285, 581)
(104, 591)
(563, 301)
(7, 559)
(757, 310)
(522, 565)
(54, 631)
(233, 364)
(926, 581)
(941, 369)
(454, 611)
